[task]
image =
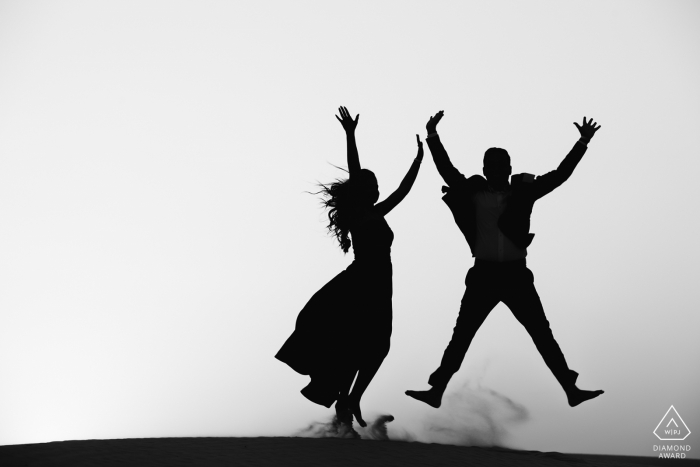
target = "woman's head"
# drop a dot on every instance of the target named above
(365, 188)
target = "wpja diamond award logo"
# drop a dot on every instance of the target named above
(672, 428)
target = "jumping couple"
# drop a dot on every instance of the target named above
(493, 213)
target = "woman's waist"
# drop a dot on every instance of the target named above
(373, 264)
(373, 257)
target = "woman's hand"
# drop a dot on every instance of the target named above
(346, 120)
(420, 148)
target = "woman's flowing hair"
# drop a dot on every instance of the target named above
(340, 199)
(337, 198)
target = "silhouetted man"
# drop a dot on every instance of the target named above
(494, 217)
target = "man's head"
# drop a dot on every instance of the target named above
(497, 168)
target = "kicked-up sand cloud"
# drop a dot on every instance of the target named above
(469, 416)
(376, 430)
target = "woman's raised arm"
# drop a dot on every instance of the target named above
(397, 196)
(349, 126)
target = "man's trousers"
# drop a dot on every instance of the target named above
(489, 283)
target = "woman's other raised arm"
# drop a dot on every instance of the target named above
(397, 196)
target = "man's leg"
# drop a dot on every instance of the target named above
(525, 304)
(479, 299)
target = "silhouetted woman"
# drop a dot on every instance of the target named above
(344, 330)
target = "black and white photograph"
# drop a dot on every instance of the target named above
(327, 233)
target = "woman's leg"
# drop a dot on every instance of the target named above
(375, 326)
(368, 368)
(342, 406)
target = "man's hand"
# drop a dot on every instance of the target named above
(348, 123)
(588, 128)
(431, 126)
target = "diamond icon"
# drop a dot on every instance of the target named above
(671, 427)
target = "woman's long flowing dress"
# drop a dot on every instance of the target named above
(348, 319)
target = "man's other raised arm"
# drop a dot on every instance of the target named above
(548, 182)
(447, 171)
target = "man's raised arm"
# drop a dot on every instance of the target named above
(447, 171)
(548, 182)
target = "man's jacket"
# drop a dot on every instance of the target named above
(525, 190)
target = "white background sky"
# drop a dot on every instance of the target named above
(157, 243)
